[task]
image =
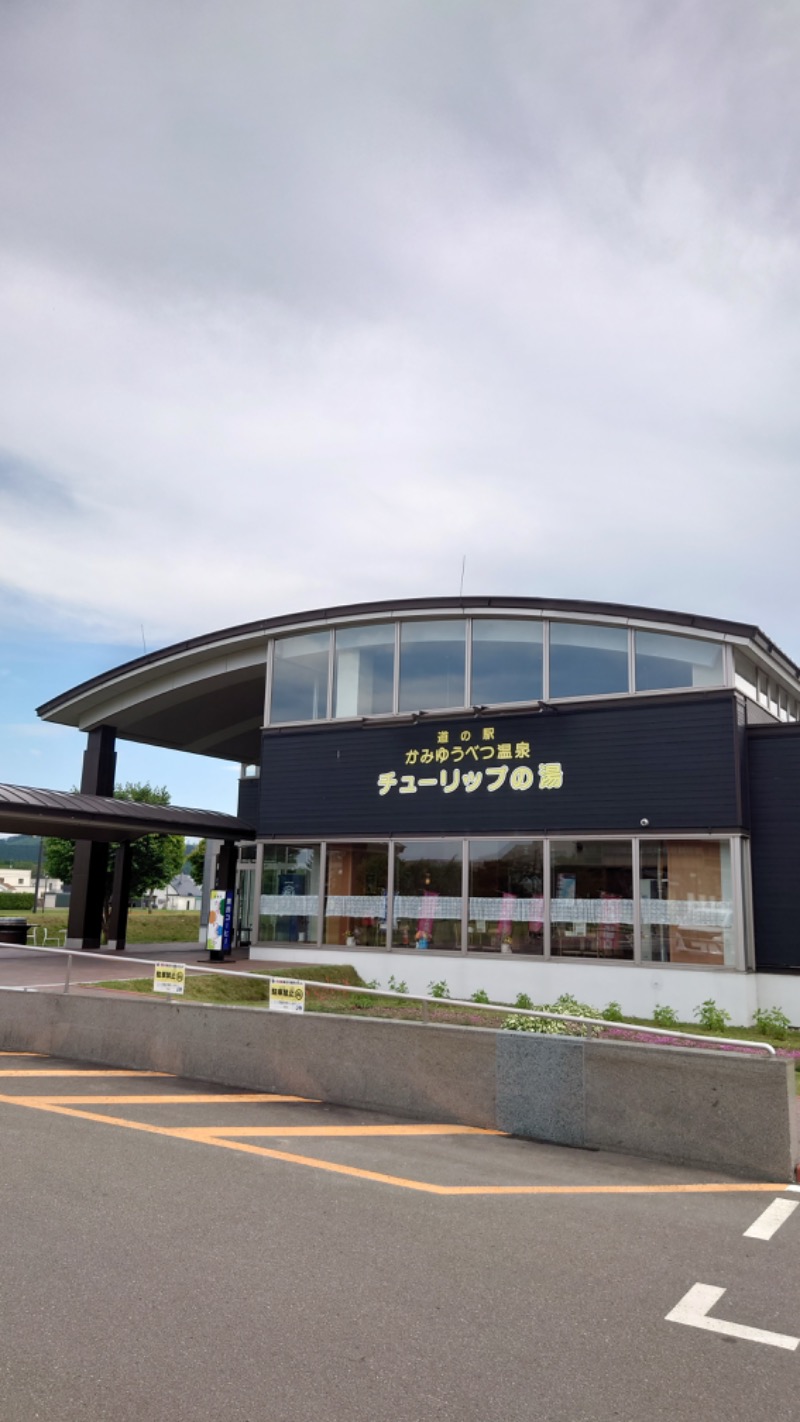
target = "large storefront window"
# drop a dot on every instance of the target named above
(364, 671)
(300, 678)
(506, 661)
(687, 902)
(427, 889)
(688, 909)
(356, 895)
(506, 896)
(432, 665)
(664, 661)
(586, 660)
(591, 906)
(289, 894)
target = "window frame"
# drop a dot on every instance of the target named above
(740, 878)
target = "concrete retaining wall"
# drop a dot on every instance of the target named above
(711, 1109)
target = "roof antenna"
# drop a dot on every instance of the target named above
(463, 569)
(144, 644)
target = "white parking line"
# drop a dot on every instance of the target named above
(771, 1219)
(693, 1309)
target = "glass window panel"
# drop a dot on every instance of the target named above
(300, 678)
(289, 894)
(664, 661)
(364, 671)
(506, 896)
(245, 885)
(687, 902)
(506, 661)
(427, 887)
(432, 665)
(357, 878)
(586, 660)
(591, 899)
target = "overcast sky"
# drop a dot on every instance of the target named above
(301, 302)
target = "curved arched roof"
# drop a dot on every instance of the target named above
(206, 694)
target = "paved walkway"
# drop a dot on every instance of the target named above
(23, 968)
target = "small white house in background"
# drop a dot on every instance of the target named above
(180, 893)
(23, 881)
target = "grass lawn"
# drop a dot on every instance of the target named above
(205, 987)
(144, 925)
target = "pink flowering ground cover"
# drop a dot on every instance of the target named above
(629, 1034)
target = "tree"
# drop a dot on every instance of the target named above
(155, 858)
(196, 861)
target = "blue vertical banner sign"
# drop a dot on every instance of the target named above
(227, 924)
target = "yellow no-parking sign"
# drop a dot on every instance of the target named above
(286, 995)
(169, 977)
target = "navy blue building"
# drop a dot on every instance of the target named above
(511, 793)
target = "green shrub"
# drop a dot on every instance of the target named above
(439, 989)
(570, 1005)
(535, 1024)
(613, 1013)
(771, 1022)
(665, 1016)
(21, 902)
(395, 986)
(481, 995)
(713, 1018)
(523, 1000)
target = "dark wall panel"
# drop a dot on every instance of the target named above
(674, 762)
(247, 808)
(774, 772)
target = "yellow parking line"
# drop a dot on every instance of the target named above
(79, 1071)
(209, 1138)
(195, 1135)
(420, 1130)
(35, 1104)
(23, 1054)
(186, 1100)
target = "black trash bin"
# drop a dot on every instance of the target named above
(13, 930)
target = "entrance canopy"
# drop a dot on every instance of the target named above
(24, 810)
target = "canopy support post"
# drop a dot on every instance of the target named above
(120, 895)
(90, 869)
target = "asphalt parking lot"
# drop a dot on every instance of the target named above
(173, 1250)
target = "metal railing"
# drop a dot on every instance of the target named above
(701, 1038)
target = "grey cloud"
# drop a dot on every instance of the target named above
(351, 289)
(23, 483)
(294, 150)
